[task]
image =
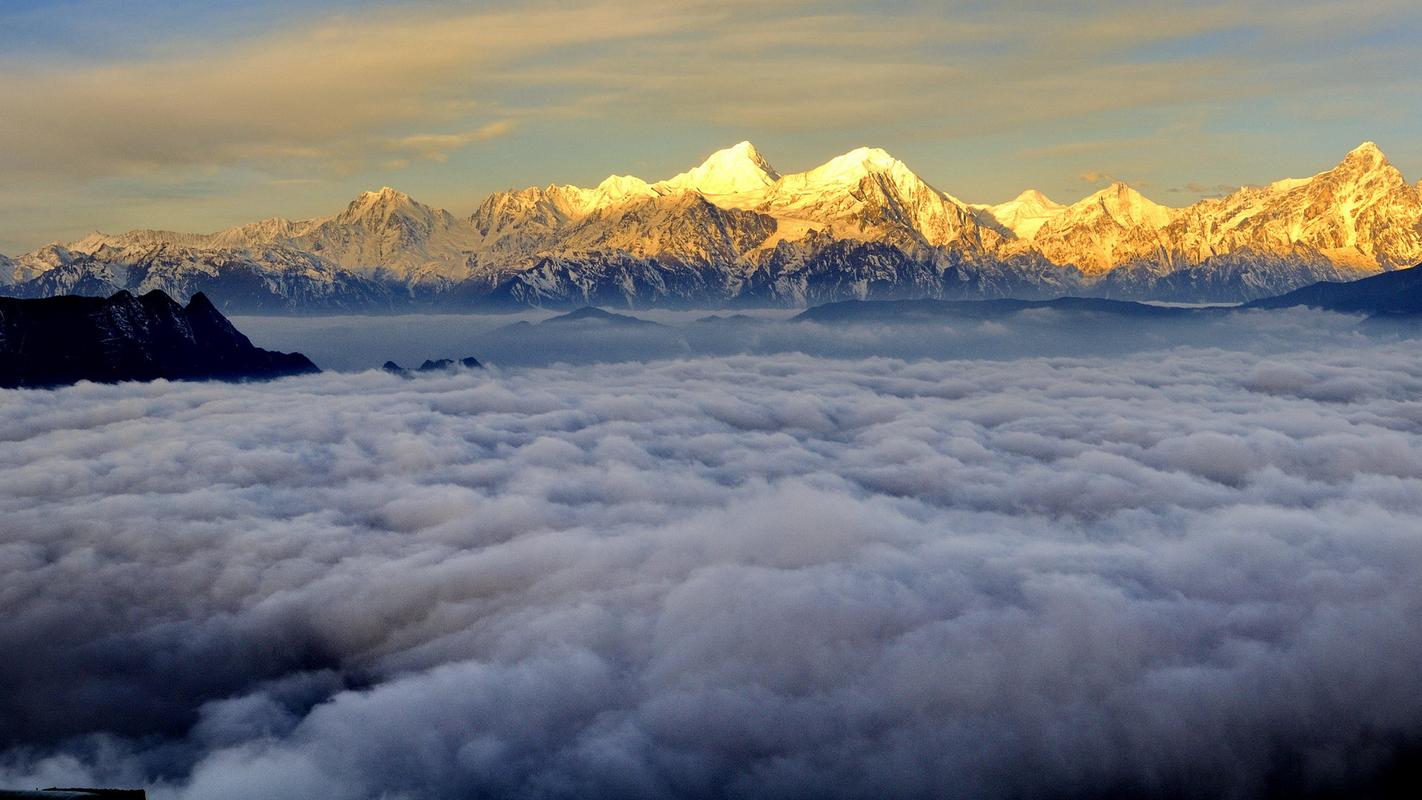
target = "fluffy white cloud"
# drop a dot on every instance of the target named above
(1191, 571)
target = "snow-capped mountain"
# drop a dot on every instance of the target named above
(261, 279)
(1024, 214)
(734, 229)
(382, 234)
(1360, 214)
(734, 170)
(1114, 226)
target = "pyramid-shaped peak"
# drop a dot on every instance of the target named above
(1117, 191)
(741, 149)
(1033, 197)
(1128, 206)
(732, 170)
(1368, 148)
(1363, 164)
(1366, 156)
(375, 207)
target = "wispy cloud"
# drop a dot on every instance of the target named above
(336, 92)
(438, 146)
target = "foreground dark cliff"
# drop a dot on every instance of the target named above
(60, 340)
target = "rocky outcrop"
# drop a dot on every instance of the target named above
(61, 340)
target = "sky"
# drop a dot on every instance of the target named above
(199, 116)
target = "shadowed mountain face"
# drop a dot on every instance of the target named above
(63, 340)
(598, 315)
(1391, 293)
(434, 365)
(929, 310)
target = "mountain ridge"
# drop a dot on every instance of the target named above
(733, 229)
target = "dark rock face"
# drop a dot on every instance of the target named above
(1396, 293)
(61, 340)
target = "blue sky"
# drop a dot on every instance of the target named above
(197, 116)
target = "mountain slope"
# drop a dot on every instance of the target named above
(1391, 293)
(380, 234)
(386, 232)
(1107, 228)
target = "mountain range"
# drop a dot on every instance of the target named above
(734, 230)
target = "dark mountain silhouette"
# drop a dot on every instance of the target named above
(1396, 293)
(594, 314)
(433, 365)
(61, 340)
(927, 310)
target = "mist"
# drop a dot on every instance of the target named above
(1012, 558)
(540, 338)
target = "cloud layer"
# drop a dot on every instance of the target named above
(1184, 573)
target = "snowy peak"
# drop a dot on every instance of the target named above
(1026, 213)
(387, 194)
(1031, 198)
(868, 195)
(1107, 228)
(1365, 164)
(621, 187)
(857, 164)
(380, 206)
(733, 170)
(1126, 206)
(1367, 153)
(844, 176)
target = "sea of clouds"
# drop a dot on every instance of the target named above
(1186, 571)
